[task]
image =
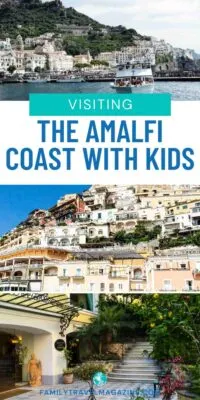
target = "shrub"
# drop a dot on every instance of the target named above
(194, 375)
(87, 370)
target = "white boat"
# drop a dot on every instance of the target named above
(70, 79)
(35, 81)
(133, 78)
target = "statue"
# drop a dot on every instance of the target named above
(34, 371)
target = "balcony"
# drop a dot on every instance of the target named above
(64, 277)
(8, 268)
(168, 289)
(20, 265)
(35, 265)
(118, 276)
(138, 278)
(125, 217)
(78, 277)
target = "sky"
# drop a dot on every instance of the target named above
(176, 21)
(17, 201)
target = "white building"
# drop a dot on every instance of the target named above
(151, 214)
(36, 323)
(38, 40)
(7, 58)
(59, 61)
(33, 60)
(5, 44)
(103, 216)
(161, 47)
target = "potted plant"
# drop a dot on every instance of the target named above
(68, 375)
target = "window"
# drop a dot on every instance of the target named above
(167, 285)
(78, 271)
(183, 266)
(64, 272)
(111, 287)
(101, 271)
(100, 232)
(91, 287)
(64, 242)
(138, 274)
(188, 285)
(158, 266)
(120, 286)
(99, 216)
(102, 287)
(139, 286)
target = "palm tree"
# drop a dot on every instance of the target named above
(107, 325)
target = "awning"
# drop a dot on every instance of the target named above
(58, 304)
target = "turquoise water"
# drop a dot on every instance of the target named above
(178, 90)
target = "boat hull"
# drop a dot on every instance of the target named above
(69, 80)
(133, 89)
(35, 81)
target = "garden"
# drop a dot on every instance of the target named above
(170, 323)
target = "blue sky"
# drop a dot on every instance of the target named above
(175, 21)
(17, 201)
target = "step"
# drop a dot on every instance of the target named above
(137, 349)
(142, 344)
(135, 355)
(142, 348)
(136, 380)
(139, 360)
(136, 367)
(128, 371)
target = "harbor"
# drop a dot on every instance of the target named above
(85, 77)
(179, 90)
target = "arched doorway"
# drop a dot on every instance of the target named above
(18, 274)
(10, 370)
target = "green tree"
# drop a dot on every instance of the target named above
(11, 69)
(107, 325)
(37, 69)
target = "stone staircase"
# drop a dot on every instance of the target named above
(136, 366)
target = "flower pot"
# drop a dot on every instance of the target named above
(68, 378)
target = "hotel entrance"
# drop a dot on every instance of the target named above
(10, 370)
(30, 326)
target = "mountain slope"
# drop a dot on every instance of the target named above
(36, 17)
(33, 18)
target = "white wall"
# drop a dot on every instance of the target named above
(39, 333)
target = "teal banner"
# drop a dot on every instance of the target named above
(100, 104)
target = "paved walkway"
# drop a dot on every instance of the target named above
(79, 391)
